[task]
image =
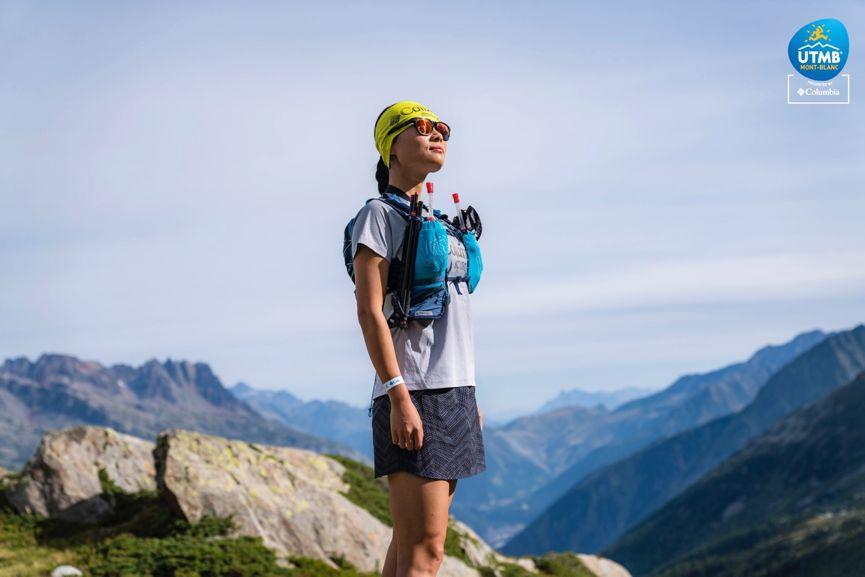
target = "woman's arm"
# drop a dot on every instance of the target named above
(370, 274)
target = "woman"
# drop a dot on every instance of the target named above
(426, 422)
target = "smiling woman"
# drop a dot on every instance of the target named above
(426, 425)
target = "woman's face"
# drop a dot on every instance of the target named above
(417, 152)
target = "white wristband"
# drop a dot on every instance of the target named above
(397, 380)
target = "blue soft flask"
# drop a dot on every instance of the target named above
(431, 259)
(476, 263)
(429, 294)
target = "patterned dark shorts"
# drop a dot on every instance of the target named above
(453, 444)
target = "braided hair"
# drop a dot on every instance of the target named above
(381, 175)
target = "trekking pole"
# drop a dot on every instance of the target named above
(402, 301)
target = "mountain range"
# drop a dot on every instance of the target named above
(791, 502)
(575, 475)
(58, 391)
(604, 505)
(334, 420)
(534, 460)
(610, 400)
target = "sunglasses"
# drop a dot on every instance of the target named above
(425, 127)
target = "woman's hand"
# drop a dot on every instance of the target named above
(481, 418)
(406, 428)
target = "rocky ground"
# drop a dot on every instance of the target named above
(113, 504)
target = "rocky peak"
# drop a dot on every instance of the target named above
(48, 365)
(152, 381)
(57, 364)
(173, 380)
(59, 371)
(241, 389)
(201, 378)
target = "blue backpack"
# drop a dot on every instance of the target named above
(429, 292)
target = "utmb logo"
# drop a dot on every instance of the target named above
(819, 50)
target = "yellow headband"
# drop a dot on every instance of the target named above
(392, 116)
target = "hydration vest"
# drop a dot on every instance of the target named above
(429, 293)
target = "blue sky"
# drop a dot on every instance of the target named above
(175, 181)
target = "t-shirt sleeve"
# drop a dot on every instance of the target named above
(372, 227)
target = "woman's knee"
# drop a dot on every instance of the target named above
(425, 556)
(434, 550)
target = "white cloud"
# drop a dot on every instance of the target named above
(684, 281)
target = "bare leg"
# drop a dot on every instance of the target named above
(389, 569)
(419, 508)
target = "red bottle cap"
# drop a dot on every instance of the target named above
(429, 187)
(456, 196)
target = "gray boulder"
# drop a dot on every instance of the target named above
(61, 479)
(292, 498)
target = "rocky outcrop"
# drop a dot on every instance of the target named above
(294, 499)
(603, 567)
(62, 479)
(482, 555)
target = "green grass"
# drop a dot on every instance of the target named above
(551, 564)
(307, 567)
(454, 545)
(562, 565)
(23, 550)
(143, 539)
(365, 490)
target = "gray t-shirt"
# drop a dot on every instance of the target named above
(440, 354)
